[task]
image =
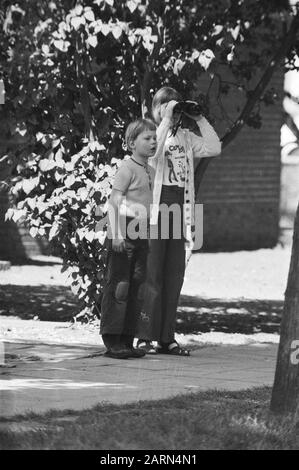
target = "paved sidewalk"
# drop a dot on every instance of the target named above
(38, 377)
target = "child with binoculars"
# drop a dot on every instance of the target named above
(174, 184)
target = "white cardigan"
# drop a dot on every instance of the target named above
(208, 145)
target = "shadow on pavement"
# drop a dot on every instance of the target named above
(197, 314)
(48, 303)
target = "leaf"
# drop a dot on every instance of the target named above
(87, 210)
(147, 44)
(41, 206)
(178, 65)
(58, 176)
(230, 56)
(132, 5)
(18, 214)
(70, 194)
(132, 39)
(29, 184)
(83, 193)
(39, 136)
(45, 49)
(101, 236)
(54, 230)
(33, 231)
(92, 40)
(82, 293)
(105, 29)
(31, 201)
(90, 236)
(89, 15)
(235, 32)
(65, 268)
(69, 166)
(46, 164)
(218, 28)
(75, 287)
(81, 233)
(9, 214)
(58, 155)
(55, 143)
(62, 45)
(21, 130)
(77, 21)
(206, 58)
(95, 145)
(79, 10)
(69, 181)
(58, 158)
(116, 31)
(194, 56)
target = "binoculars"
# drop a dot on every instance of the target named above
(188, 107)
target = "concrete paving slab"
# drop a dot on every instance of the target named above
(38, 377)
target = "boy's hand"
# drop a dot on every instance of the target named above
(167, 109)
(118, 245)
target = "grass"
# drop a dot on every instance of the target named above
(204, 420)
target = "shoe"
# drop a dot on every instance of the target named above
(137, 353)
(134, 352)
(146, 346)
(118, 353)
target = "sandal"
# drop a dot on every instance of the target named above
(146, 346)
(172, 348)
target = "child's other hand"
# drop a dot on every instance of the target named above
(167, 109)
(197, 117)
(118, 245)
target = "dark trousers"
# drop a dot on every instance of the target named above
(123, 293)
(165, 276)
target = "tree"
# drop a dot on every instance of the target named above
(285, 393)
(77, 72)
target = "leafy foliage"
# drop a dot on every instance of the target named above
(77, 72)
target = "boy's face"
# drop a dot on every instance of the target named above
(145, 144)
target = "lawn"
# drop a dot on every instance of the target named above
(204, 420)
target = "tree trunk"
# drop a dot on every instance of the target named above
(285, 393)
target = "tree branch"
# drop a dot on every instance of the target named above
(254, 97)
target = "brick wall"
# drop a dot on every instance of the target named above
(241, 188)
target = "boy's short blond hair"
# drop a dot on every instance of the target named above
(135, 128)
